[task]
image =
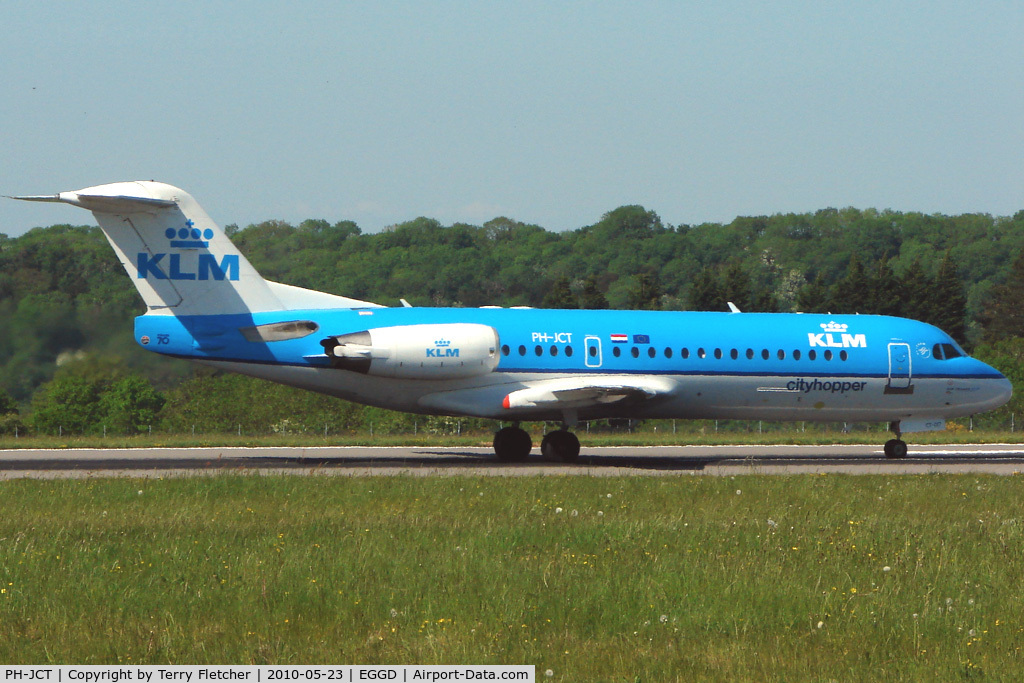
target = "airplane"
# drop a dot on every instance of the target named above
(206, 303)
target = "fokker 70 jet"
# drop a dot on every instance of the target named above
(206, 303)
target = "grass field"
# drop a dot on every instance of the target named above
(597, 579)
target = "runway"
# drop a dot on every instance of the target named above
(1002, 459)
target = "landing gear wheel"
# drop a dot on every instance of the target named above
(512, 444)
(562, 445)
(895, 449)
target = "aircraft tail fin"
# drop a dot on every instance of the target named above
(181, 262)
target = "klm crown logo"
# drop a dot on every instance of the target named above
(443, 343)
(833, 326)
(189, 237)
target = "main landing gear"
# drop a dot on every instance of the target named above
(512, 444)
(895, 448)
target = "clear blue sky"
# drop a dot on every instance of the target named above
(548, 112)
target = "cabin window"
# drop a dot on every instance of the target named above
(782, 355)
(568, 351)
(616, 351)
(668, 352)
(505, 350)
(796, 354)
(734, 354)
(685, 353)
(718, 354)
(522, 350)
(765, 354)
(592, 351)
(843, 355)
(828, 355)
(651, 352)
(554, 350)
(750, 354)
(701, 353)
(538, 350)
(635, 352)
(812, 355)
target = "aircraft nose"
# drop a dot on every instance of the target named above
(998, 390)
(1003, 392)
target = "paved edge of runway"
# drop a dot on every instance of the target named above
(1003, 459)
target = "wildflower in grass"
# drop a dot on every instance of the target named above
(663, 618)
(558, 511)
(549, 673)
(773, 524)
(886, 568)
(574, 513)
(600, 514)
(738, 492)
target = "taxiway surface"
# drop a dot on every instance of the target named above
(433, 461)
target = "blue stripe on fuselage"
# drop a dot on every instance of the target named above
(864, 341)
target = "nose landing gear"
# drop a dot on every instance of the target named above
(895, 449)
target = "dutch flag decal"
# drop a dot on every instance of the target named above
(620, 338)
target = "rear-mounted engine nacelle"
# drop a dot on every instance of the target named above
(441, 351)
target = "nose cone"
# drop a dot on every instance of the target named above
(996, 390)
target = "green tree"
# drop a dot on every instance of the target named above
(7, 404)
(1003, 315)
(129, 405)
(591, 297)
(68, 404)
(560, 295)
(705, 292)
(646, 293)
(815, 296)
(950, 302)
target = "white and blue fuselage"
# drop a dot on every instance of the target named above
(703, 365)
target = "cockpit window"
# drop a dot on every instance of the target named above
(945, 351)
(294, 329)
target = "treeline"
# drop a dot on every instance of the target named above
(63, 295)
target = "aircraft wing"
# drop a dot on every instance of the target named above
(585, 392)
(549, 395)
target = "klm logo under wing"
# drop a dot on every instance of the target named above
(835, 336)
(206, 267)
